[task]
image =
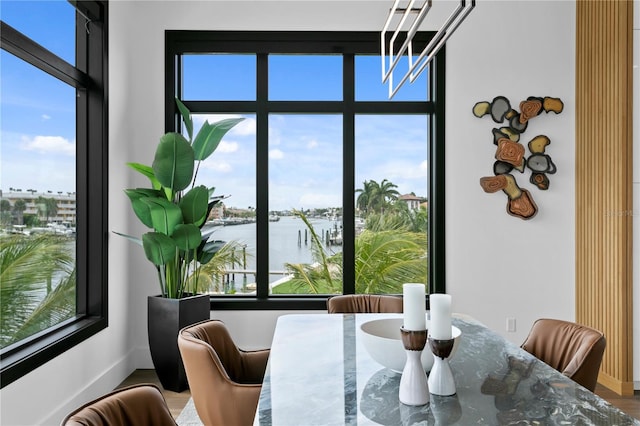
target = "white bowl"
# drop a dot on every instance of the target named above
(381, 339)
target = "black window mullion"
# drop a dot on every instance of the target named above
(96, 164)
(436, 224)
(394, 107)
(173, 87)
(348, 176)
(262, 177)
(82, 129)
(226, 107)
(306, 107)
(29, 51)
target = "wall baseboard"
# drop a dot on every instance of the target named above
(617, 386)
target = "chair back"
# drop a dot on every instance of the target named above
(224, 383)
(130, 406)
(573, 349)
(364, 303)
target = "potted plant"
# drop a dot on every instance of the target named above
(175, 210)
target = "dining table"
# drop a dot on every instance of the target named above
(320, 373)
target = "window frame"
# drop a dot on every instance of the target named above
(349, 44)
(89, 78)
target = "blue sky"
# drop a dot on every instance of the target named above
(37, 112)
(305, 151)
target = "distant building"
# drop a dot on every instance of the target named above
(217, 212)
(65, 203)
(413, 202)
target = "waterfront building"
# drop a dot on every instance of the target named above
(65, 204)
(414, 202)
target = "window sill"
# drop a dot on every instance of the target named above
(273, 303)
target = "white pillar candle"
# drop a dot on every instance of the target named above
(440, 307)
(413, 305)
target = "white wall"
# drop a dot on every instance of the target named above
(500, 266)
(497, 266)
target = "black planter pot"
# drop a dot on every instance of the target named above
(165, 318)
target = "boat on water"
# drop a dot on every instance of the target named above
(335, 237)
(274, 218)
(230, 221)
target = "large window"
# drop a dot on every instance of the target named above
(53, 184)
(331, 187)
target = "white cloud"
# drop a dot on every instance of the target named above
(217, 166)
(274, 136)
(49, 144)
(227, 147)
(315, 199)
(276, 154)
(402, 169)
(312, 144)
(46, 117)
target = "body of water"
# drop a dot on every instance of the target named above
(283, 241)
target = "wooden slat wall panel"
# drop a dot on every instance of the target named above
(604, 61)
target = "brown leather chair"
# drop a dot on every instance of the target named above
(573, 349)
(225, 381)
(137, 405)
(364, 303)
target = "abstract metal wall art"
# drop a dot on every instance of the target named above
(511, 153)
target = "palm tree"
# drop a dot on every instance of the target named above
(209, 276)
(399, 216)
(362, 202)
(51, 208)
(385, 258)
(57, 306)
(376, 197)
(19, 206)
(47, 207)
(383, 195)
(324, 276)
(5, 212)
(26, 265)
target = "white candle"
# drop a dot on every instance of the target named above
(413, 305)
(440, 307)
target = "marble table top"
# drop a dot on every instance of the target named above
(319, 373)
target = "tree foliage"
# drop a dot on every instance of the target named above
(376, 197)
(28, 264)
(387, 254)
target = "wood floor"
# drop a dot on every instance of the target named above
(177, 401)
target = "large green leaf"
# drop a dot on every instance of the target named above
(159, 248)
(148, 172)
(194, 205)
(173, 162)
(208, 250)
(187, 236)
(210, 135)
(136, 193)
(165, 215)
(140, 208)
(186, 117)
(130, 238)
